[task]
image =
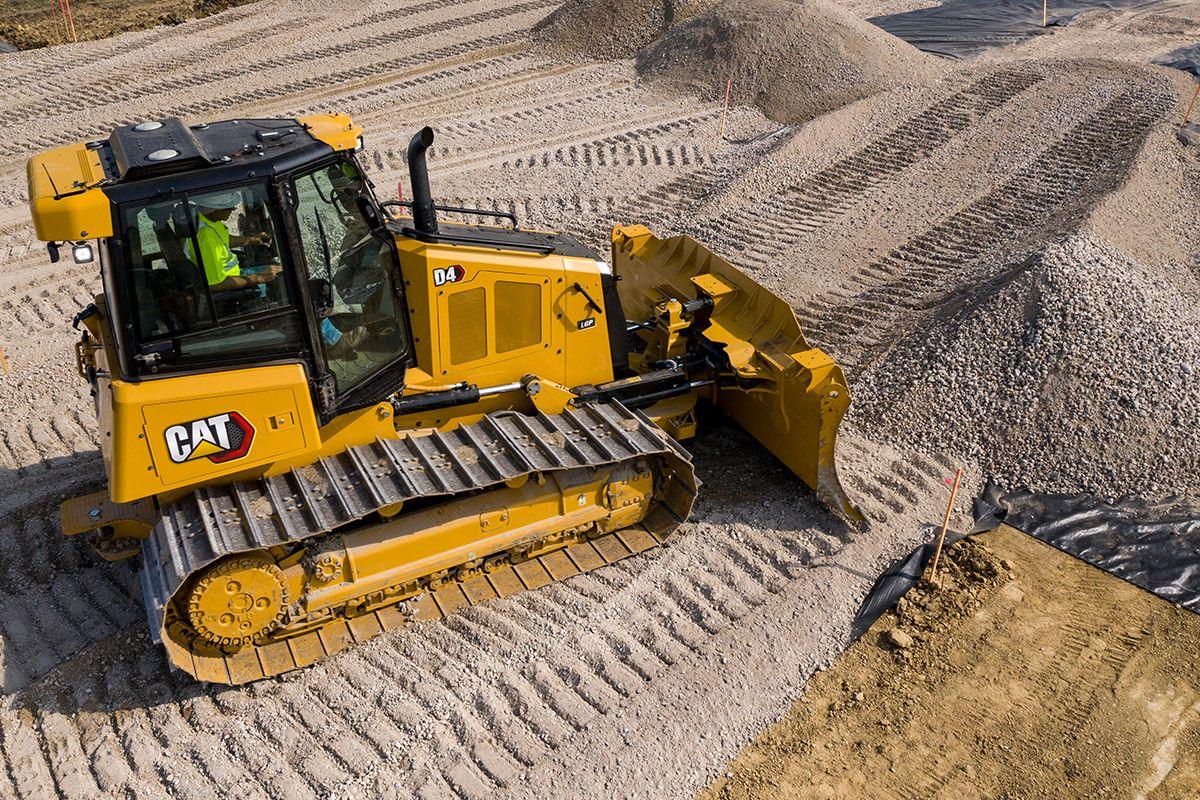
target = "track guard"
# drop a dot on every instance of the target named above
(788, 395)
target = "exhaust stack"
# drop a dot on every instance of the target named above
(424, 214)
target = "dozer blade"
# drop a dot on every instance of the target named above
(788, 395)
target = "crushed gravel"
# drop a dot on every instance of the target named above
(610, 29)
(793, 59)
(608, 677)
(1082, 373)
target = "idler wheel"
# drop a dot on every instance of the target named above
(238, 602)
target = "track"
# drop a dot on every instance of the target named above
(551, 692)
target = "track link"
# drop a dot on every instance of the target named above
(338, 494)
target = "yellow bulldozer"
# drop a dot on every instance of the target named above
(323, 416)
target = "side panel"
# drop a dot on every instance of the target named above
(494, 323)
(489, 317)
(588, 357)
(176, 432)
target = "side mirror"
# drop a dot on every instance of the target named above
(321, 292)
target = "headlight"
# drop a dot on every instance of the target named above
(83, 253)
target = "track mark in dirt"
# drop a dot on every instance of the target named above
(113, 87)
(759, 231)
(452, 160)
(16, 81)
(481, 730)
(181, 86)
(1052, 192)
(1025, 656)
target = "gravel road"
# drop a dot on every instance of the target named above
(882, 222)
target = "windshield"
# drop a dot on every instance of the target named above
(350, 276)
(205, 276)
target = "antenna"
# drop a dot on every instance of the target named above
(57, 196)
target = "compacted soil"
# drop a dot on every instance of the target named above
(28, 24)
(1028, 674)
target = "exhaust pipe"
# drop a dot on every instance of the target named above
(424, 214)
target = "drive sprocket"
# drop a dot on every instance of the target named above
(239, 601)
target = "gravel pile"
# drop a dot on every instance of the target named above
(1081, 374)
(793, 59)
(610, 29)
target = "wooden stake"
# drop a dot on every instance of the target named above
(62, 17)
(725, 112)
(1188, 114)
(937, 553)
(71, 20)
(1045, 3)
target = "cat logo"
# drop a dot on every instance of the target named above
(220, 438)
(451, 274)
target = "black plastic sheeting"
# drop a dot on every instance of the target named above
(1154, 544)
(893, 584)
(1185, 58)
(964, 28)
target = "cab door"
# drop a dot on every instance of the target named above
(350, 271)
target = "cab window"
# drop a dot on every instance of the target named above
(351, 279)
(206, 278)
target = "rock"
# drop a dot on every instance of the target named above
(1189, 134)
(1042, 376)
(898, 639)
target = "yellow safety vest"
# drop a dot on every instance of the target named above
(216, 256)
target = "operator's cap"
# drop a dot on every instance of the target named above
(219, 200)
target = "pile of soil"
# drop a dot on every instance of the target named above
(1077, 372)
(611, 29)
(29, 26)
(1028, 674)
(793, 59)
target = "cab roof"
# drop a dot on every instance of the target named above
(72, 188)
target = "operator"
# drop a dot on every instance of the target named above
(221, 266)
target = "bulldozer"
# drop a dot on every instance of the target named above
(323, 416)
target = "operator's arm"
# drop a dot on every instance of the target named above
(263, 239)
(247, 280)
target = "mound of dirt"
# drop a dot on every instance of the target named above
(611, 29)
(1080, 371)
(793, 59)
(29, 26)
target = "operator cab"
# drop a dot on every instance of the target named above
(246, 241)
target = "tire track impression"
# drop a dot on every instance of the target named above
(760, 232)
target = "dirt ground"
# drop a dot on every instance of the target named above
(877, 221)
(29, 24)
(1029, 674)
